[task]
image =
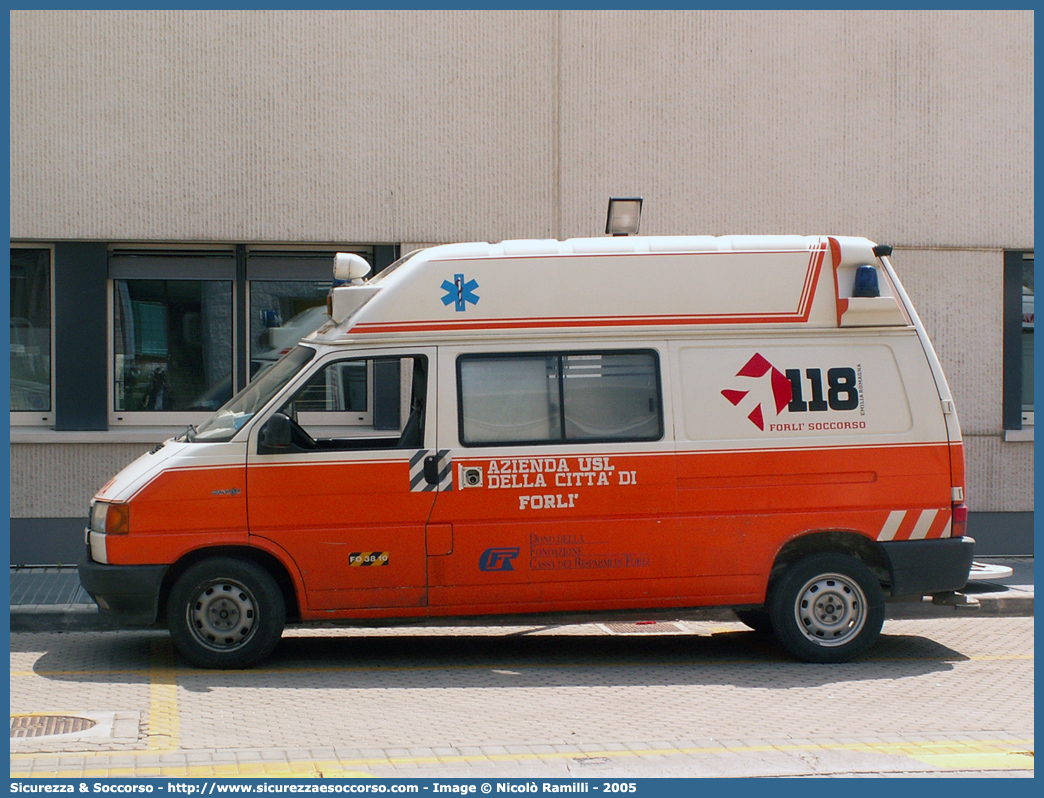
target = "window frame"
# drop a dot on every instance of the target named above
(162, 418)
(267, 263)
(366, 436)
(1018, 422)
(560, 355)
(248, 264)
(30, 418)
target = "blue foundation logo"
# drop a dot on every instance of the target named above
(498, 559)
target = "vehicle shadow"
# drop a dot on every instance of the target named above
(346, 660)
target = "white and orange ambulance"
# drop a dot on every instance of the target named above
(587, 426)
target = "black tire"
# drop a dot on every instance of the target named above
(225, 613)
(827, 608)
(757, 619)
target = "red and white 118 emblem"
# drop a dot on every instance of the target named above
(782, 390)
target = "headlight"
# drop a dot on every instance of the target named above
(98, 513)
(110, 518)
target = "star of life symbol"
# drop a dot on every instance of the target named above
(782, 390)
(460, 293)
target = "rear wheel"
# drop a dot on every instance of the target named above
(225, 613)
(827, 608)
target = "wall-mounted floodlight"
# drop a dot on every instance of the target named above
(625, 214)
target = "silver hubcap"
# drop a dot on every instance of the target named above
(223, 616)
(831, 610)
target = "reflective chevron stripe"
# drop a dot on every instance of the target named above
(444, 466)
(916, 525)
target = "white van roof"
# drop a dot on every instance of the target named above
(614, 282)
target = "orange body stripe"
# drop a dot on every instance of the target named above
(680, 529)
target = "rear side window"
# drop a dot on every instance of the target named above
(559, 397)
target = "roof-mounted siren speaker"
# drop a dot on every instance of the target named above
(625, 214)
(348, 267)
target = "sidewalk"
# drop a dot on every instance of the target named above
(51, 599)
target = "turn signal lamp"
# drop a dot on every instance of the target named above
(117, 519)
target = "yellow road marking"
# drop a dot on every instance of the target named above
(978, 755)
(163, 698)
(163, 729)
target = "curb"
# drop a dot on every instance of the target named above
(58, 618)
(997, 605)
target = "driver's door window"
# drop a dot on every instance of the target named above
(361, 403)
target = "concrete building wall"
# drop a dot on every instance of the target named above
(958, 294)
(56, 480)
(282, 126)
(913, 128)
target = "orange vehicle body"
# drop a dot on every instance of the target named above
(755, 437)
(698, 529)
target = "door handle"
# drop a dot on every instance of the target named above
(431, 469)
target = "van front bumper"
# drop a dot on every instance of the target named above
(127, 595)
(924, 567)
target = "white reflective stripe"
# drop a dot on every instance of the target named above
(924, 523)
(895, 518)
(946, 529)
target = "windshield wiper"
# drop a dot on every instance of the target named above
(189, 434)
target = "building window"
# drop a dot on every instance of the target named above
(1027, 340)
(173, 343)
(31, 336)
(559, 398)
(282, 312)
(287, 300)
(339, 395)
(190, 327)
(186, 327)
(1018, 343)
(172, 327)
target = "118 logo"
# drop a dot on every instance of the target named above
(797, 392)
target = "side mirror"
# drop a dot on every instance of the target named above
(276, 435)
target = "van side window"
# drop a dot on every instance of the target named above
(361, 403)
(557, 398)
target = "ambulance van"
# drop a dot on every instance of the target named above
(626, 427)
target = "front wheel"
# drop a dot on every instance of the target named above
(225, 613)
(827, 608)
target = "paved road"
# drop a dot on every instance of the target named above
(688, 699)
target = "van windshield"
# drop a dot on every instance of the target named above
(227, 421)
